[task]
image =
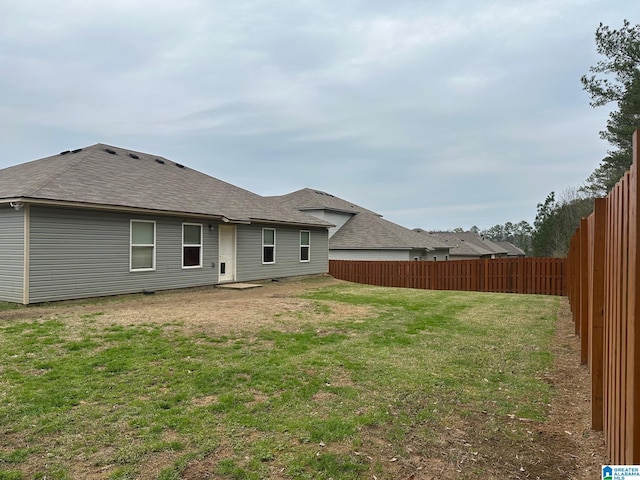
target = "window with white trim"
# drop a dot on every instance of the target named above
(191, 245)
(268, 245)
(143, 245)
(305, 245)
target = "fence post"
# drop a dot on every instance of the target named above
(624, 433)
(596, 312)
(633, 336)
(584, 290)
(578, 286)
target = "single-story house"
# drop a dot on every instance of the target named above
(361, 234)
(104, 220)
(467, 245)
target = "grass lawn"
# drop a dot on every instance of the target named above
(426, 381)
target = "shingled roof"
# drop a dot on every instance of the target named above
(365, 229)
(103, 176)
(467, 243)
(312, 199)
(512, 250)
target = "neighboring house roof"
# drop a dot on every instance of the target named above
(512, 250)
(312, 199)
(102, 176)
(365, 229)
(467, 243)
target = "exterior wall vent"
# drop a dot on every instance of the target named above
(111, 151)
(160, 161)
(133, 155)
(65, 152)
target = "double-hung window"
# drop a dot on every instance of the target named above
(305, 245)
(191, 245)
(268, 245)
(142, 245)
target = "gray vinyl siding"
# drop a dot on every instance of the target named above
(440, 254)
(420, 255)
(466, 257)
(11, 254)
(81, 253)
(287, 264)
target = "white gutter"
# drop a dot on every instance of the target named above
(111, 208)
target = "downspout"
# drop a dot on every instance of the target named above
(27, 254)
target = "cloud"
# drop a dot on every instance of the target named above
(432, 113)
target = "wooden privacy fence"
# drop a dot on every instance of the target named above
(604, 293)
(544, 276)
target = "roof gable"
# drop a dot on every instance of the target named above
(365, 229)
(312, 199)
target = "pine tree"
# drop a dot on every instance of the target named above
(618, 81)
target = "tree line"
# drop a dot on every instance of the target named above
(614, 79)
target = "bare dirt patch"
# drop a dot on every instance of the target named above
(209, 310)
(568, 431)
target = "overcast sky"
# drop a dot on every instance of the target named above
(435, 114)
